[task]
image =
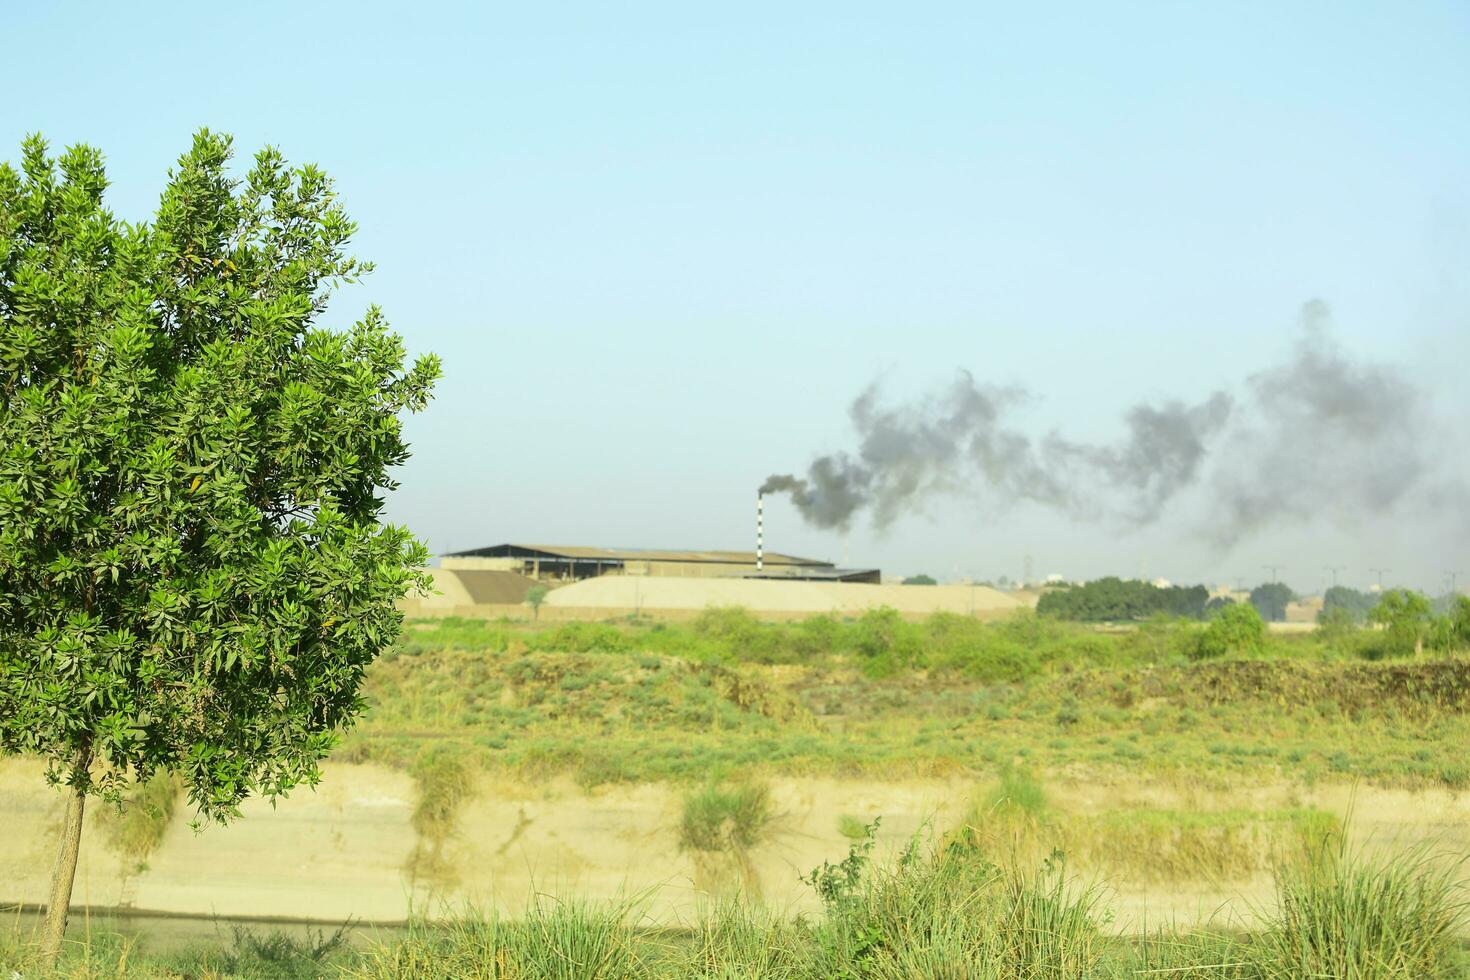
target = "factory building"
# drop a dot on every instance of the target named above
(561, 563)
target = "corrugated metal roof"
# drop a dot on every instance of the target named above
(818, 574)
(586, 553)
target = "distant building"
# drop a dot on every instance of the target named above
(571, 563)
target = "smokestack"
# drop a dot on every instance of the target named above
(760, 531)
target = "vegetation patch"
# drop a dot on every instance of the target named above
(1014, 819)
(134, 827)
(445, 781)
(729, 818)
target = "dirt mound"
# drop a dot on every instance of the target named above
(499, 588)
(459, 587)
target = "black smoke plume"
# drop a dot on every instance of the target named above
(1319, 433)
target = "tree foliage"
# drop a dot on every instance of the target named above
(193, 571)
(1407, 620)
(1355, 604)
(921, 579)
(1115, 599)
(1271, 600)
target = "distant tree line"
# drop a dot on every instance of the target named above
(1113, 599)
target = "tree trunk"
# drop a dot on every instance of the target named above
(54, 930)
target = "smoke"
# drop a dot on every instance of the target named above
(1326, 435)
(1319, 433)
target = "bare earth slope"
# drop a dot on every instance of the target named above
(635, 592)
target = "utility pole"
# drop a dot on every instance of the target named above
(1273, 569)
(1454, 579)
(1334, 569)
(1380, 572)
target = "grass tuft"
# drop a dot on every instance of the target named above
(725, 817)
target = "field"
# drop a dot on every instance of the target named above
(881, 698)
(871, 797)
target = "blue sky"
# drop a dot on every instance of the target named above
(662, 247)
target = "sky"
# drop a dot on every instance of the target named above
(661, 248)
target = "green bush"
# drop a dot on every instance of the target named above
(582, 638)
(1238, 630)
(734, 634)
(886, 643)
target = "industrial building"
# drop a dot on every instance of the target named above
(561, 563)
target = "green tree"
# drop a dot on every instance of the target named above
(920, 580)
(535, 597)
(1114, 599)
(1459, 617)
(1356, 604)
(1407, 619)
(193, 571)
(1271, 600)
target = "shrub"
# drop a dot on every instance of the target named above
(886, 643)
(733, 633)
(582, 638)
(1336, 623)
(1238, 630)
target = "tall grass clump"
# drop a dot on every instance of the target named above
(1341, 914)
(552, 941)
(737, 940)
(950, 912)
(730, 818)
(445, 781)
(1018, 792)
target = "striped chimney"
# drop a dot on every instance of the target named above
(760, 531)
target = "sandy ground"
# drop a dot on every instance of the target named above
(345, 850)
(628, 591)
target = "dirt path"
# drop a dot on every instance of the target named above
(346, 850)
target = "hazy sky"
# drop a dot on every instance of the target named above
(661, 248)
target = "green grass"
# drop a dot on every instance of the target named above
(879, 697)
(1341, 915)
